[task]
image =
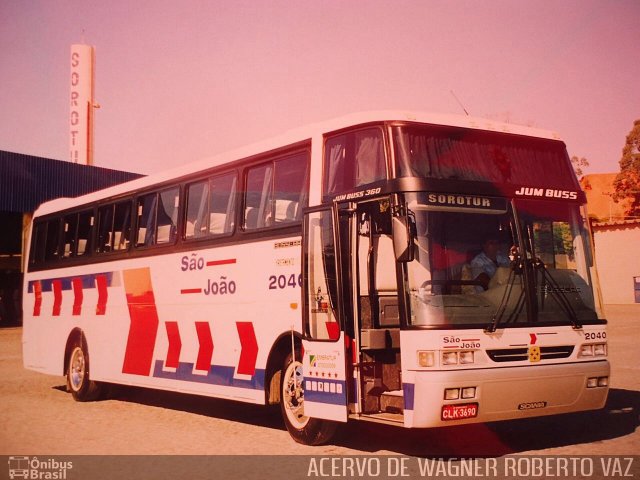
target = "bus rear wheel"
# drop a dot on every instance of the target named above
(82, 388)
(303, 429)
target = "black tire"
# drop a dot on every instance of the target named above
(82, 388)
(305, 430)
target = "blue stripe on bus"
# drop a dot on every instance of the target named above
(88, 281)
(217, 375)
(408, 391)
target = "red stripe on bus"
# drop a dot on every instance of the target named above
(143, 328)
(249, 348)
(175, 344)
(205, 353)
(77, 295)
(186, 291)
(103, 294)
(57, 297)
(228, 261)
(37, 293)
(333, 329)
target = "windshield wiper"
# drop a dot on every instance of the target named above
(516, 265)
(556, 293)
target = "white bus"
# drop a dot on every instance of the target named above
(410, 269)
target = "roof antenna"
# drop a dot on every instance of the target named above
(459, 102)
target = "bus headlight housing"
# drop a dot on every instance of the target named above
(426, 358)
(458, 393)
(467, 357)
(600, 349)
(594, 382)
(429, 358)
(593, 350)
(449, 358)
(462, 357)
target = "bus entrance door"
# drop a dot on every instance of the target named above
(324, 312)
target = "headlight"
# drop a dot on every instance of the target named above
(449, 358)
(426, 358)
(469, 392)
(467, 357)
(594, 382)
(586, 351)
(452, 394)
(462, 357)
(593, 350)
(600, 349)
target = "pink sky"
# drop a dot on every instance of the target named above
(178, 81)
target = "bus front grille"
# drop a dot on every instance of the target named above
(522, 354)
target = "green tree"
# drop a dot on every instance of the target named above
(627, 182)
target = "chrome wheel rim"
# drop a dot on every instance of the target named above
(77, 369)
(293, 395)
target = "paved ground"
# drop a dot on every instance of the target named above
(38, 417)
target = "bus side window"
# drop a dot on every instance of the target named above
(167, 218)
(353, 159)
(114, 227)
(70, 230)
(52, 246)
(146, 225)
(157, 218)
(290, 188)
(197, 210)
(211, 207)
(105, 226)
(122, 226)
(277, 192)
(38, 243)
(77, 234)
(85, 228)
(222, 204)
(257, 209)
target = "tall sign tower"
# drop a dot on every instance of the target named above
(82, 104)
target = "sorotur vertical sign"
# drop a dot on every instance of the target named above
(81, 103)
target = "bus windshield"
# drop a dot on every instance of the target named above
(558, 248)
(453, 153)
(481, 260)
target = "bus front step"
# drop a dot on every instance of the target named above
(392, 402)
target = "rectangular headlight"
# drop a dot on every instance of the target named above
(586, 351)
(469, 392)
(452, 394)
(592, 382)
(466, 357)
(603, 381)
(449, 358)
(426, 358)
(600, 349)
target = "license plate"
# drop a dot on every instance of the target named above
(459, 412)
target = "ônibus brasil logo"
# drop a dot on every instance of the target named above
(40, 469)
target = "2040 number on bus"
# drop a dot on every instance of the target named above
(280, 282)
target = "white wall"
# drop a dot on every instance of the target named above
(618, 260)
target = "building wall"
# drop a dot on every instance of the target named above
(617, 246)
(25, 182)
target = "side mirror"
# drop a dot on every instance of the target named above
(402, 239)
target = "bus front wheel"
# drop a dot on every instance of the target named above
(303, 429)
(82, 388)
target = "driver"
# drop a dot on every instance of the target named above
(486, 263)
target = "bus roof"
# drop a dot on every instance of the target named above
(295, 136)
